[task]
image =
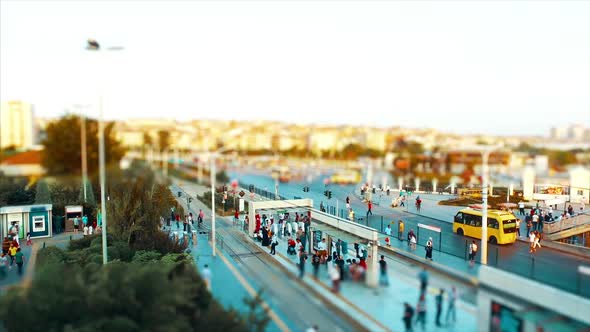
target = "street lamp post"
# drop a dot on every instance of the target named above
(83, 151)
(484, 206)
(213, 175)
(92, 45)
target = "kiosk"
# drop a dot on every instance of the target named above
(35, 219)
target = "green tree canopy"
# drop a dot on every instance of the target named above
(42, 194)
(62, 153)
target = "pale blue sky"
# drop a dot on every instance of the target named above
(508, 67)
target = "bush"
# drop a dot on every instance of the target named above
(159, 242)
(82, 243)
(146, 256)
(50, 255)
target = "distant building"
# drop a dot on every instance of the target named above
(17, 125)
(559, 133)
(23, 164)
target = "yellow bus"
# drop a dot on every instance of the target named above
(501, 225)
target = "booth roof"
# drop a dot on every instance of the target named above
(25, 208)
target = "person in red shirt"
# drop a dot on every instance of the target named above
(370, 207)
(236, 217)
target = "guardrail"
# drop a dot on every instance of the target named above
(565, 224)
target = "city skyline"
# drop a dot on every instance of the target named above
(348, 64)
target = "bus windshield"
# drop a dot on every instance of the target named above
(509, 226)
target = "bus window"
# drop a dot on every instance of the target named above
(459, 218)
(509, 226)
(472, 220)
(493, 223)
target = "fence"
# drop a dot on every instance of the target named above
(565, 224)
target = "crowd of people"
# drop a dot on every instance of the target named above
(11, 252)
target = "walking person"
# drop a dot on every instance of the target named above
(315, 263)
(521, 208)
(529, 224)
(177, 221)
(12, 253)
(518, 227)
(451, 311)
(3, 266)
(423, 277)
(383, 281)
(29, 242)
(200, 217)
(19, 258)
(429, 248)
(369, 208)
(336, 275)
(76, 225)
(206, 274)
(439, 302)
(302, 259)
(472, 253)
(184, 223)
(400, 230)
(388, 231)
(408, 316)
(273, 244)
(236, 217)
(421, 311)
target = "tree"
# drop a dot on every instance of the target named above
(62, 146)
(118, 297)
(147, 139)
(163, 139)
(42, 194)
(13, 191)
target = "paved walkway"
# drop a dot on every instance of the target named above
(382, 310)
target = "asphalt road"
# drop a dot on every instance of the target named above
(548, 266)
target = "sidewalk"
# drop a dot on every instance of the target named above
(384, 307)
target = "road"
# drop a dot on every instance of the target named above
(548, 266)
(285, 293)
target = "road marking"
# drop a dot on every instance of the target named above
(282, 326)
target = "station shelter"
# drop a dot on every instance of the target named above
(35, 219)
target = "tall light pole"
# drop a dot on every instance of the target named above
(92, 45)
(484, 206)
(83, 150)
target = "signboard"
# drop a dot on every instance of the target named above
(432, 228)
(317, 238)
(503, 319)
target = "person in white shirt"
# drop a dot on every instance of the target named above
(322, 249)
(85, 230)
(206, 274)
(388, 230)
(90, 230)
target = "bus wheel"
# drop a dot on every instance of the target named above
(460, 231)
(493, 240)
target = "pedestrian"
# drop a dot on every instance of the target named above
(388, 230)
(76, 225)
(315, 263)
(302, 259)
(423, 276)
(536, 242)
(206, 274)
(12, 252)
(190, 218)
(6, 245)
(184, 223)
(85, 230)
(400, 230)
(439, 301)
(19, 258)
(535, 222)
(472, 253)
(177, 221)
(200, 217)
(236, 217)
(521, 208)
(336, 275)
(532, 242)
(369, 208)
(428, 248)
(413, 242)
(408, 316)
(518, 227)
(421, 311)
(3, 266)
(383, 281)
(273, 244)
(29, 242)
(529, 224)
(451, 311)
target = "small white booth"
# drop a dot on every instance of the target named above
(35, 219)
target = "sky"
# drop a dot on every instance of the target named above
(492, 67)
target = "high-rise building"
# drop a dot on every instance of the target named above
(17, 126)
